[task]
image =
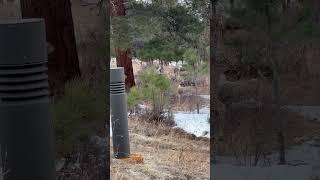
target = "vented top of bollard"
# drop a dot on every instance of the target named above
(22, 42)
(117, 75)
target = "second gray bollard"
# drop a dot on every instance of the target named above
(119, 115)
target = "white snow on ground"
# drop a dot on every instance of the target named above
(191, 122)
(303, 160)
(311, 112)
(306, 155)
(194, 123)
(277, 172)
(205, 97)
(175, 64)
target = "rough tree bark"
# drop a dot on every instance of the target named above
(276, 101)
(276, 90)
(105, 168)
(216, 116)
(63, 63)
(316, 6)
(284, 6)
(123, 56)
(231, 5)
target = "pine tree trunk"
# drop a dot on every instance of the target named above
(214, 123)
(276, 101)
(284, 6)
(105, 168)
(63, 63)
(231, 5)
(123, 56)
(195, 81)
(197, 100)
(316, 6)
(124, 59)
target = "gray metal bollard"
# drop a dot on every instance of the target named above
(25, 117)
(119, 115)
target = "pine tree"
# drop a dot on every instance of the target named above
(121, 30)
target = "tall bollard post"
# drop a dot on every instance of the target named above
(26, 128)
(119, 115)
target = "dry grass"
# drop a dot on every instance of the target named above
(168, 154)
(256, 125)
(10, 10)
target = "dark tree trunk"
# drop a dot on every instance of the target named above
(214, 37)
(276, 89)
(288, 4)
(231, 5)
(316, 6)
(124, 59)
(63, 63)
(123, 56)
(284, 6)
(105, 168)
(276, 101)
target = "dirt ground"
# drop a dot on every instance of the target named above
(168, 154)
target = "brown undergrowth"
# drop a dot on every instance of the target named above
(252, 132)
(168, 153)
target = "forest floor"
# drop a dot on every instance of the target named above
(168, 154)
(302, 157)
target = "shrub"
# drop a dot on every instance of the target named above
(134, 97)
(77, 114)
(154, 90)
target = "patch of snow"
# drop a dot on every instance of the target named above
(136, 60)
(194, 123)
(306, 152)
(303, 161)
(175, 64)
(142, 106)
(277, 172)
(205, 97)
(311, 112)
(191, 122)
